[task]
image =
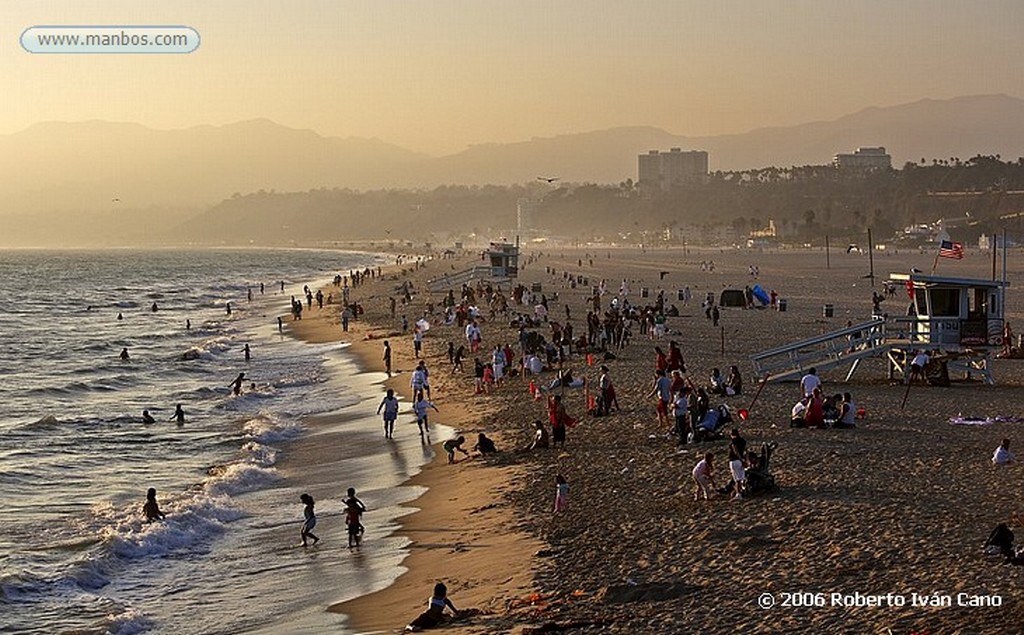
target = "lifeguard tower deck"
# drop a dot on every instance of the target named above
(503, 265)
(958, 321)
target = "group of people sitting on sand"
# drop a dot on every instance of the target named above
(815, 410)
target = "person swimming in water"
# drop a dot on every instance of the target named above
(236, 386)
(147, 418)
(179, 415)
(151, 509)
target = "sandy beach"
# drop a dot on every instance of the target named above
(896, 507)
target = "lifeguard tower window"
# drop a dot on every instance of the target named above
(945, 302)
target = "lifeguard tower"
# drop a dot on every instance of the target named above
(958, 321)
(502, 265)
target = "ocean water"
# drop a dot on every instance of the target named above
(76, 555)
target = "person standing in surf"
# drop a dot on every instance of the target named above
(354, 509)
(236, 385)
(390, 406)
(310, 520)
(179, 415)
(151, 510)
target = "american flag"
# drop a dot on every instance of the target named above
(949, 249)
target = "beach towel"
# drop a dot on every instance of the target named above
(960, 420)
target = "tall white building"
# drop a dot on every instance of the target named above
(664, 170)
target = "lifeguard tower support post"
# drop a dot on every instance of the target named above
(959, 321)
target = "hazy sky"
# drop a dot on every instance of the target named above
(437, 75)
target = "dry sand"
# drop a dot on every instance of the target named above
(900, 505)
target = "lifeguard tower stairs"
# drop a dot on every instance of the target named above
(958, 321)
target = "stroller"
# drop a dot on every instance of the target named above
(760, 479)
(712, 425)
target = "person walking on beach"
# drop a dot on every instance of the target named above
(417, 341)
(346, 315)
(179, 415)
(703, 476)
(310, 520)
(387, 358)
(559, 420)
(421, 407)
(390, 406)
(354, 509)
(662, 388)
(124, 355)
(151, 510)
(561, 494)
(236, 385)
(737, 451)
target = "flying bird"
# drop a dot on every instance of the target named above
(549, 179)
(115, 200)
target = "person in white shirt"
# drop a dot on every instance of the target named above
(918, 364)
(1002, 455)
(809, 382)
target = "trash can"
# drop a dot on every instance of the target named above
(535, 287)
(782, 305)
(828, 311)
(681, 295)
(644, 292)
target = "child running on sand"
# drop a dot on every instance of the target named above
(354, 509)
(434, 615)
(310, 520)
(421, 407)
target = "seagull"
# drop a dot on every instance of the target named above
(549, 179)
(115, 200)
(915, 270)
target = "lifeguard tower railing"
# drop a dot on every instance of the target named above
(963, 349)
(456, 280)
(845, 346)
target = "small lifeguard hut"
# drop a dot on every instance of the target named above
(958, 321)
(501, 265)
(504, 259)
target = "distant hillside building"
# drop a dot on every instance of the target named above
(864, 159)
(664, 170)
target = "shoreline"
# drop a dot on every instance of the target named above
(452, 526)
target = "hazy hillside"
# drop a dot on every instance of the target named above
(71, 169)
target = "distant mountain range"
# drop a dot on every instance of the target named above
(85, 166)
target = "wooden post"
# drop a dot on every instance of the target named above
(757, 394)
(723, 340)
(827, 261)
(993, 245)
(871, 259)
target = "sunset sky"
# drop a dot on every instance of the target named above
(438, 75)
